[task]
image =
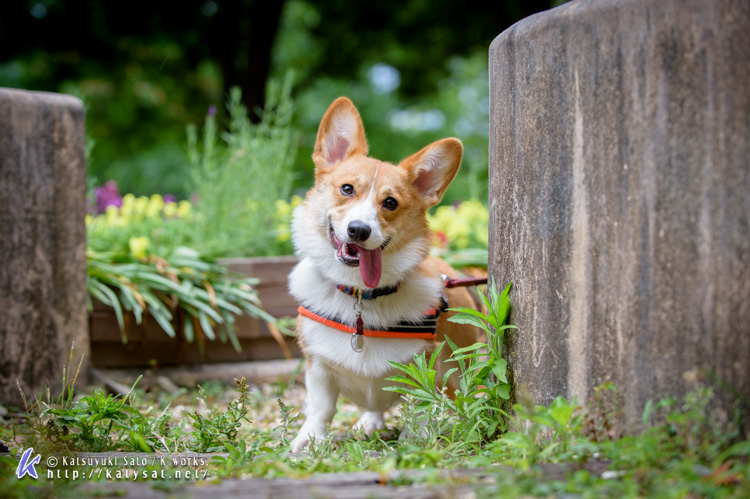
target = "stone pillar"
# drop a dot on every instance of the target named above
(620, 197)
(43, 242)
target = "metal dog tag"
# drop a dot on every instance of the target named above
(358, 342)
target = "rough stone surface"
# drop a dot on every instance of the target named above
(423, 483)
(620, 197)
(43, 243)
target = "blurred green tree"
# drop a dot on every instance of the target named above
(414, 67)
(236, 35)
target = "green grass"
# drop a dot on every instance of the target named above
(525, 449)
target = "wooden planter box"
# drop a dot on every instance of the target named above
(149, 345)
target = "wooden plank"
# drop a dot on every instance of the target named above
(267, 269)
(115, 354)
(256, 372)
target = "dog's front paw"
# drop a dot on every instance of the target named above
(300, 442)
(304, 437)
(369, 423)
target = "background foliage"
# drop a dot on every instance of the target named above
(416, 69)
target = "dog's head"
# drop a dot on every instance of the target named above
(363, 222)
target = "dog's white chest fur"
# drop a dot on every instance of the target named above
(334, 347)
(320, 295)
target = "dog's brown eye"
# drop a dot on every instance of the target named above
(347, 190)
(390, 204)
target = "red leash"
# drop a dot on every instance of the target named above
(455, 283)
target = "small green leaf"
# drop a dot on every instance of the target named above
(470, 348)
(435, 354)
(518, 440)
(503, 391)
(401, 379)
(561, 410)
(188, 328)
(500, 369)
(448, 375)
(141, 442)
(205, 323)
(469, 311)
(468, 319)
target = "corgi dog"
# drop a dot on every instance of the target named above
(367, 287)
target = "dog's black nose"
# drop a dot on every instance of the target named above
(358, 231)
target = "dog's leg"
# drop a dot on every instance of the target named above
(369, 422)
(320, 404)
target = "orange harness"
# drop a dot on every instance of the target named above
(425, 330)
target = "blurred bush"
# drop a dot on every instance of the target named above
(416, 70)
(238, 179)
(241, 179)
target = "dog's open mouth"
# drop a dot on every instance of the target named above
(370, 262)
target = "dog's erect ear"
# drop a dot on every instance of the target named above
(432, 169)
(340, 135)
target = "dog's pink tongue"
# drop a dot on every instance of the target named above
(370, 266)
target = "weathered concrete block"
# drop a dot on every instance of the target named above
(620, 196)
(43, 243)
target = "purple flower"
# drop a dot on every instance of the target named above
(107, 195)
(212, 110)
(169, 198)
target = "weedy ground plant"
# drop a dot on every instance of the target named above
(481, 403)
(524, 449)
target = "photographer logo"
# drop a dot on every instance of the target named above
(26, 467)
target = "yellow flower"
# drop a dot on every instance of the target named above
(282, 208)
(139, 208)
(154, 206)
(462, 226)
(112, 216)
(484, 237)
(138, 246)
(284, 211)
(282, 233)
(170, 209)
(184, 209)
(128, 205)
